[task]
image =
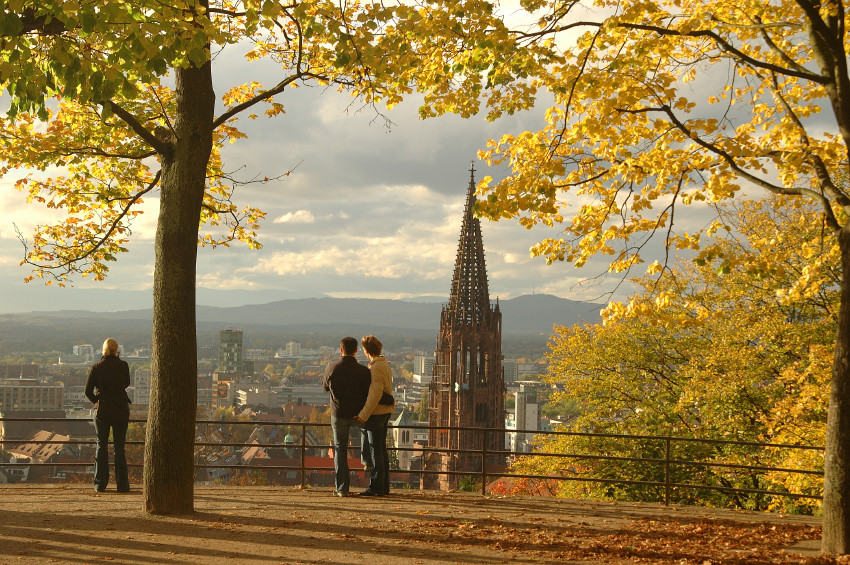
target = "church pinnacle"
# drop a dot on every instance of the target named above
(470, 297)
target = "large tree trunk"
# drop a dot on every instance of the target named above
(168, 472)
(836, 487)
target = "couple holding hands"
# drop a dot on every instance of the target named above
(361, 397)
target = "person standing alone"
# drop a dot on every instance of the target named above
(107, 388)
(348, 382)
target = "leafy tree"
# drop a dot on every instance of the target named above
(562, 406)
(719, 357)
(135, 453)
(87, 89)
(323, 433)
(660, 105)
(252, 478)
(422, 408)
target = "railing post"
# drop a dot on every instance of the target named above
(303, 444)
(667, 471)
(484, 465)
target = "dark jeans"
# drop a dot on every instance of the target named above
(376, 427)
(341, 428)
(101, 465)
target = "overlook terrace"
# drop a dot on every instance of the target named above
(73, 524)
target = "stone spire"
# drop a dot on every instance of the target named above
(470, 298)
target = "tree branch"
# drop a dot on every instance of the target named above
(159, 145)
(728, 47)
(774, 188)
(97, 245)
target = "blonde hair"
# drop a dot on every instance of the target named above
(110, 347)
(372, 345)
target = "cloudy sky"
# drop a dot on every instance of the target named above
(368, 211)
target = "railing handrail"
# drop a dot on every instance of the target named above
(667, 460)
(472, 429)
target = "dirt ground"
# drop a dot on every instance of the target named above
(73, 524)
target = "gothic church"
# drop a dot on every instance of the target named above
(467, 393)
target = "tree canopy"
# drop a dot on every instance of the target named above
(721, 357)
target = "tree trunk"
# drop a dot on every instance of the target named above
(168, 471)
(836, 484)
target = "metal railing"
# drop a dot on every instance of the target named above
(661, 457)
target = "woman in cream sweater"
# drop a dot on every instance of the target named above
(376, 416)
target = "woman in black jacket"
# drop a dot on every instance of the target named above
(107, 388)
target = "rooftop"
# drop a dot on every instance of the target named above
(73, 524)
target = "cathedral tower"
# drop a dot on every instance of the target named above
(468, 388)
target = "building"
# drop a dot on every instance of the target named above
(468, 389)
(527, 417)
(23, 371)
(30, 394)
(509, 366)
(142, 387)
(293, 349)
(230, 358)
(255, 396)
(86, 351)
(423, 365)
(313, 395)
(406, 438)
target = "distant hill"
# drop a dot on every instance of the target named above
(524, 314)
(525, 319)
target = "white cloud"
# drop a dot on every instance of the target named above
(297, 217)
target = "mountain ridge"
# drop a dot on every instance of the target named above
(535, 313)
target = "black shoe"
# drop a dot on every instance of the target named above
(340, 493)
(124, 491)
(368, 492)
(98, 489)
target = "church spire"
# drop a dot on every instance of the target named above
(470, 298)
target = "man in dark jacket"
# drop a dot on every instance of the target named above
(348, 382)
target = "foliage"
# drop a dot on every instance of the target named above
(135, 452)
(245, 478)
(469, 484)
(323, 433)
(706, 353)
(524, 487)
(392, 454)
(421, 414)
(563, 406)
(657, 105)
